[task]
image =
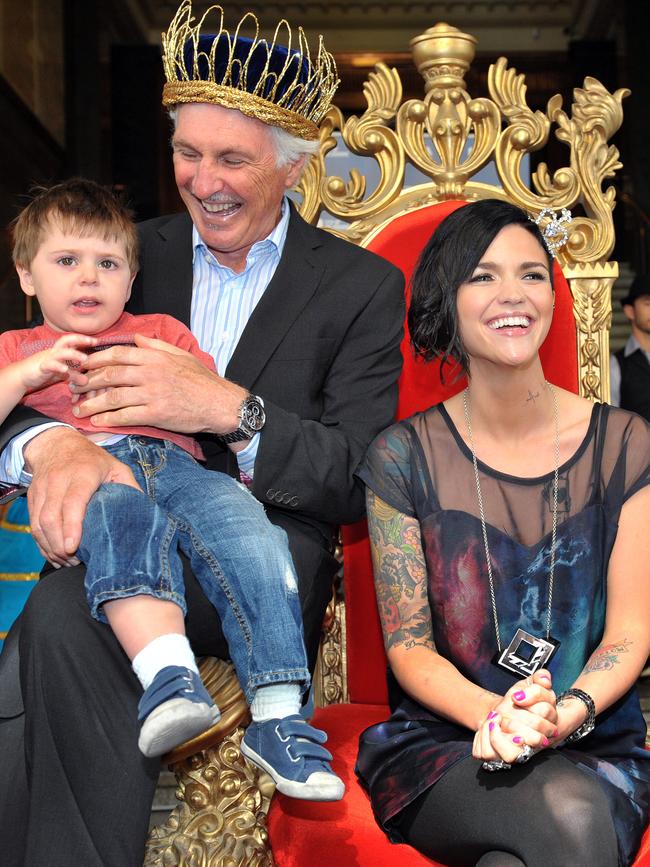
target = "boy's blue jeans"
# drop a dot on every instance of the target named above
(130, 545)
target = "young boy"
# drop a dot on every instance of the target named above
(75, 249)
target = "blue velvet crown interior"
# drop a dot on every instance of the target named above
(296, 72)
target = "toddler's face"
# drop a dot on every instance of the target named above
(82, 284)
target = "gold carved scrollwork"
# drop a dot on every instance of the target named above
(527, 131)
(596, 115)
(454, 120)
(310, 182)
(371, 136)
(449, 116)
(222, 819)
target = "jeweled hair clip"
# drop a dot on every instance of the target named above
(555, 232)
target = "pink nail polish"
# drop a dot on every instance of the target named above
(492, 714)
(520, 695)
(545, 742)
(556, 733)
(517, 740)
(491, 727)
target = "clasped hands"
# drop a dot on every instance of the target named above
(526, 716)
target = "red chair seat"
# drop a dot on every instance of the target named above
(344, 833)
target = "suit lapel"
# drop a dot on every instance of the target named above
(171, 289)
(295, 280)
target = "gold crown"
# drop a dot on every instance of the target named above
(293, 94)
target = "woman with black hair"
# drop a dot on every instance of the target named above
(510, 535)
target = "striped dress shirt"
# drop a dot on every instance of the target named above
(223, 302)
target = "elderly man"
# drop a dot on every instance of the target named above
(305, 332)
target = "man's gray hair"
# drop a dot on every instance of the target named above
(288, 148)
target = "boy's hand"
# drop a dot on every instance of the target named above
(57, 363)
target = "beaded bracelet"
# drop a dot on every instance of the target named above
(590, 721)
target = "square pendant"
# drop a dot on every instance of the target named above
(526, 654)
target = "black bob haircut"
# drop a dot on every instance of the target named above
(448, 260)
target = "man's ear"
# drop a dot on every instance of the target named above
(628, 309)
(26, 281)
(295, 170)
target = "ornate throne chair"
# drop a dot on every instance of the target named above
(222, 818)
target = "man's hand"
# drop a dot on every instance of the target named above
(67, 470)
(159, 385)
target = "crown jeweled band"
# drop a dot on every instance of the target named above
(555, 232)
(270, 81)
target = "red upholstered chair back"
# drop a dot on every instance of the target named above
(400, 240)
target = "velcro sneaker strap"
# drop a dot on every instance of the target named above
(169, 682)
(295, 726)
(309, 750)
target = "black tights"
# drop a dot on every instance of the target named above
(547, 813)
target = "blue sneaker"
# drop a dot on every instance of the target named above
(175, 707)
(290, 751)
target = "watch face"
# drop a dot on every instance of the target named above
(253, 415)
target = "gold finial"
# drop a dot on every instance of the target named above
(443, 55)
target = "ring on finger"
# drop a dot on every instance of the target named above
(496, 765)
(525, 754)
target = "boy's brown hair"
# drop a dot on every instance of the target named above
(77, 206)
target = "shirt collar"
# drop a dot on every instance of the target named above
(274, 241)
(632, 345)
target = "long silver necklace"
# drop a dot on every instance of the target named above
(525, 653)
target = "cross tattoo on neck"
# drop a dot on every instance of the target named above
(532, 396)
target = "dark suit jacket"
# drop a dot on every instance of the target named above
(322, 350)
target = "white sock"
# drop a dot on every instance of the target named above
(275, 701)
(170, 649)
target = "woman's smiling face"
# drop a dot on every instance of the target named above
(506, 305)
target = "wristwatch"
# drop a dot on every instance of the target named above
(251, 420)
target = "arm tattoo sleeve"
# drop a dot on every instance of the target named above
(400, 576)
(606, 657)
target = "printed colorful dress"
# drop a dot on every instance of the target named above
(423, 468)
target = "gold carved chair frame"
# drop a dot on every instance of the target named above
(449, 136)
